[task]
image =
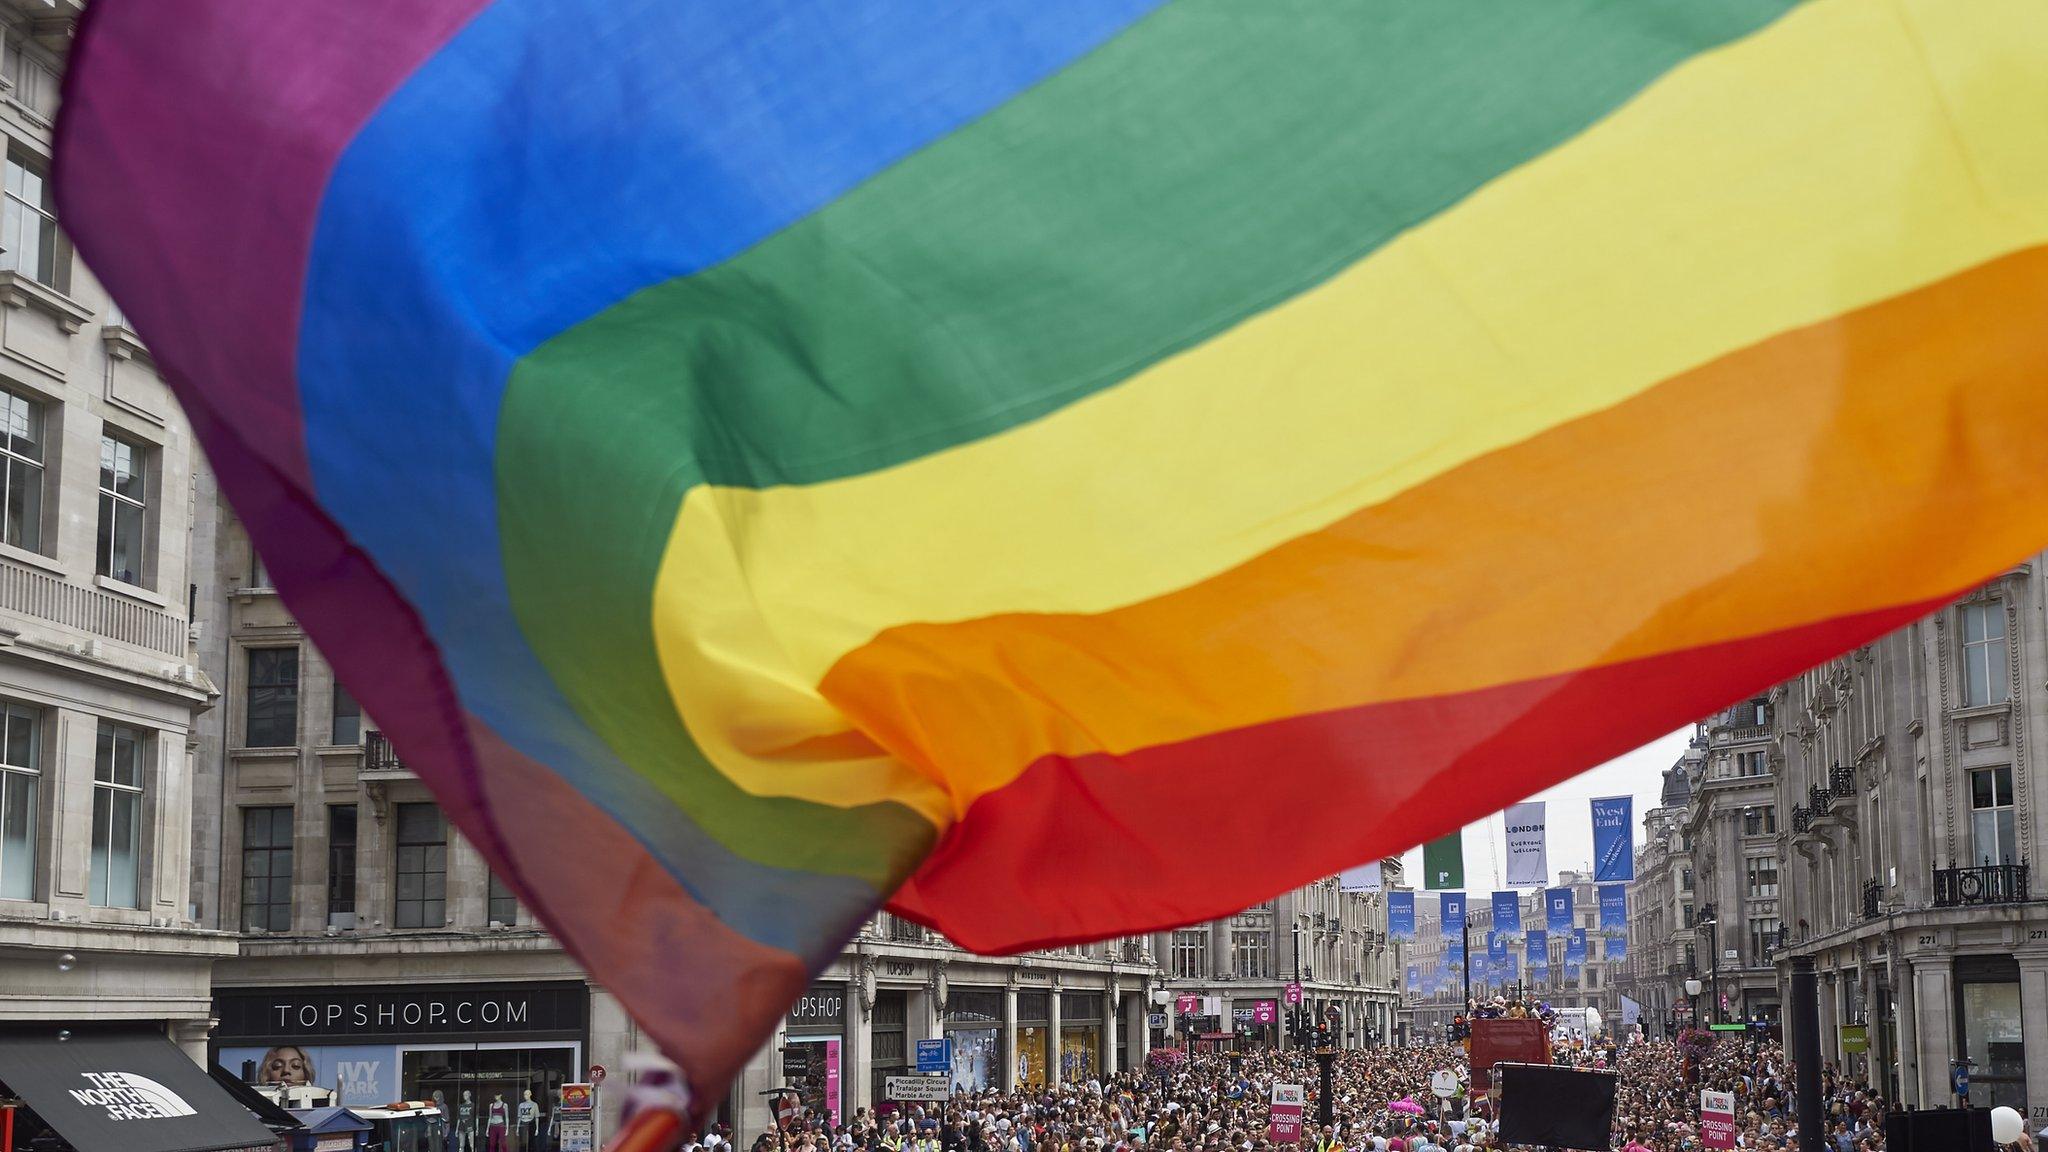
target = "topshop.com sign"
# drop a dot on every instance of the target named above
(331, 1014)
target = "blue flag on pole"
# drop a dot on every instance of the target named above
(1453, 913)
(1557, 905)
(1507, 912)
(1401, 915)
(1414, 977)
(1617, 948)
(1575, 947)
(1537, 943)
(1613, 908)
(1614, 850)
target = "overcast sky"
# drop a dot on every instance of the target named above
(1568, 815)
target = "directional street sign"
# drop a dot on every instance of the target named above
(917, 1089)
(935, 1055)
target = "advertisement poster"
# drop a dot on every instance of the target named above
(364, 1074)
(1522, 1041)
(1557, 904)
(1613, 908)
(1401, 915)
(974, 1057)
(1614, 848)
(1507, 912)
(1284, 1126)
(1079, 1046)
(1528, 859)
(1717, 1119)
(1364, 878)
(812, 1068)
(1453, 913)
(1032, 1044)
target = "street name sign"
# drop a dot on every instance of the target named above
(918, 1089)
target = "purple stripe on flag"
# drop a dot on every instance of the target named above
(168, 99)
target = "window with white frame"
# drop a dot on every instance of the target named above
(1984, 654)
(124, 507)
(117, 817)
(1251, 952)
(1763, 933)
(1763, 876)
(29, 241)
(21, 479)
(21, 778)
(1191, 954)
(1991, 830)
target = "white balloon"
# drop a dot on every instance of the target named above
(2006, 1125)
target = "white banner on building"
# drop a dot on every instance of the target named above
(1364, 878)
(1528, 858)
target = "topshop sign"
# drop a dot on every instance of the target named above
(450, 1011)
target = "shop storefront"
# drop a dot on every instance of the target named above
(1080, 1036)
(1988, 1030)
(493, 1057)
(974, 1023)
(812, 1056)
(1256, 1022)
(1034, 1038)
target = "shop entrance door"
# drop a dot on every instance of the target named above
(480, 1089)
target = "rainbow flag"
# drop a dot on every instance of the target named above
(1065, 467)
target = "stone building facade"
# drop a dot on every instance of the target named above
(101, 692)
(1906, 771)
(1662, 952)
(1735, 825)
(1332, 942)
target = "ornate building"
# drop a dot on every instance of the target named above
(1733, 823)
(1661, 948)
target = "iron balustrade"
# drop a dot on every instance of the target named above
(1985, 884)
(1873, 898)
(1843, 778)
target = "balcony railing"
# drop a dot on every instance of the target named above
(1987, 884)
(378, 755)
(1802, 820)
(1843, 780)
(1819, 800)
(1873, 899)
(906, 931)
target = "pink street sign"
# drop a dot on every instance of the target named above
(1293, 993)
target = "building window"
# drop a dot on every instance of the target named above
(28, 227)
(1756, 762)
(1991, 831)
(273, 720)
(1760, 712)
(422, 866)
(259, 576)
(1251, 951)
(1763, 932)
(1692, 957)
(117, 817)
(21, 484)
(266, 869)
(1763, 877)
(503, 905)
(1984, 656)
(1191, 954)
(341, 865)
(124, 501)
(1760, 821)
(1688, 915)
(347, 725)
(21, 777)
(1685, 879)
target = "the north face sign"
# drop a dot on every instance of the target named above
(127, 1096)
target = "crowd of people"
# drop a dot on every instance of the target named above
(1382, 1102)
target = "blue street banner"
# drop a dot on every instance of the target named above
(1507, 911)
(1414, 977)
(1573, 970)
(1557, 905)
(1496, 946)
(1575, 947)
(1401, 915)
(1614, 840)
(1453, 913)
(1617, 948)
(1430, 982)
(1539, 972)
(1538, 948)
(1613, 908)
(1454, 956)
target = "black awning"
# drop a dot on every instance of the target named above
(125, 1091)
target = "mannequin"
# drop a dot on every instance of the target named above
(465, 1120)
(529, 1121)
(498, 1125)
(447, 1119)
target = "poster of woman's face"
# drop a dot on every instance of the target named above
(285, 1064)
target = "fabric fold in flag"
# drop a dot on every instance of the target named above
(824, 457)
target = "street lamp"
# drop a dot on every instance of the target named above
(1712, 924)
(1692, 990)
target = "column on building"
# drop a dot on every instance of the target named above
(1137, 1034)
(1008, 1079)
(1056, 1038)
(1111, 1065)
(857, 1088)
(1935, 1027)
(2034, 1021)
(1909, 1032)
(1830, 1018)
